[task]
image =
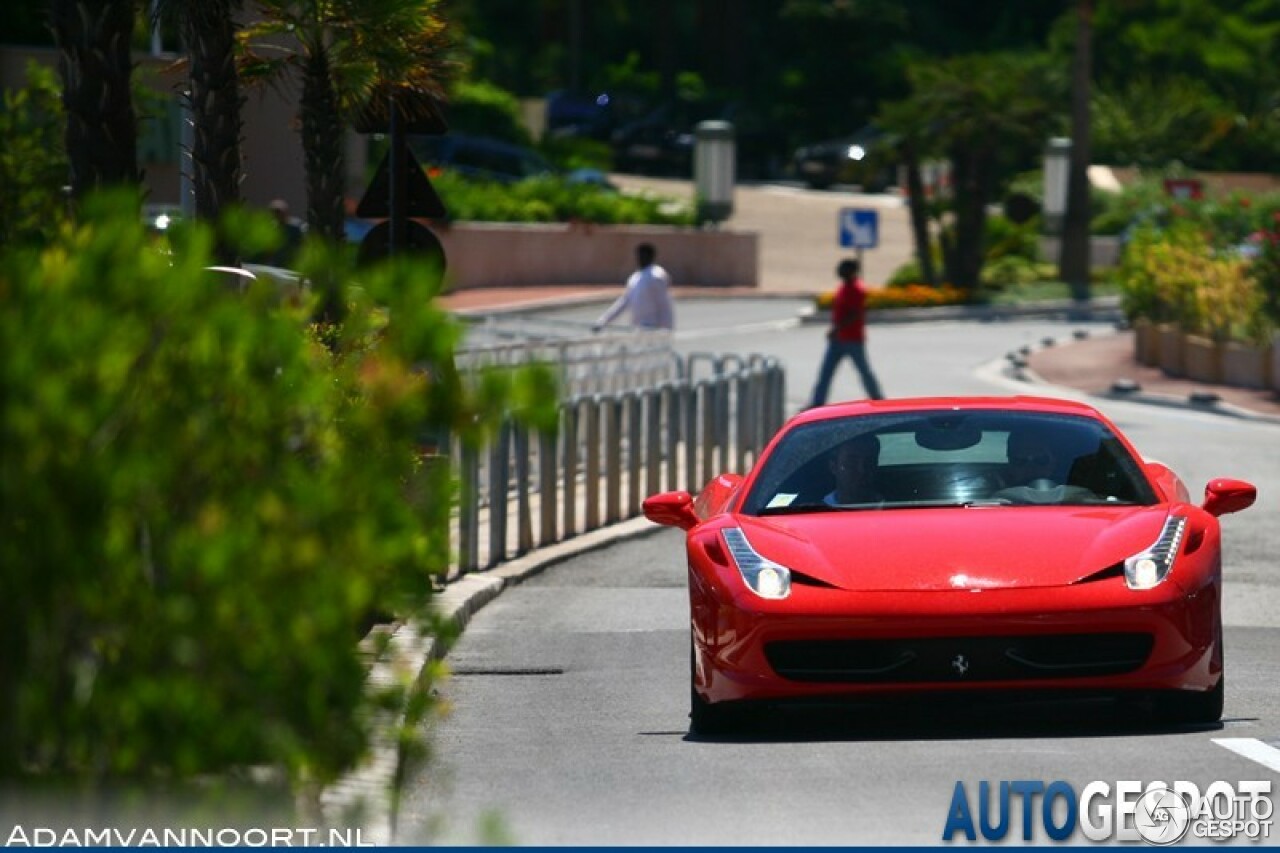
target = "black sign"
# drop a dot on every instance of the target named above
(421, 201)
(419, 241)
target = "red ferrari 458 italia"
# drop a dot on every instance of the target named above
(953, 544)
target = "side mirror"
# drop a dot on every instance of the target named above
(674, 509)
(1225, 495)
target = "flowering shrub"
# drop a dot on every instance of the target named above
(917, 296)
(1174, 276)
(903, 296)
(552, 199)
(1266, 268)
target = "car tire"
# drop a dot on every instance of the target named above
(1194, 708)
(706, 718)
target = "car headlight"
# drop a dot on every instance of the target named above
(1150, 567)
(764, 577)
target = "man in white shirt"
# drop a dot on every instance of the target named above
(648, 295)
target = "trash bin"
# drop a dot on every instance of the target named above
(713, 170)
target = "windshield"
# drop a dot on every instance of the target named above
(947, 458)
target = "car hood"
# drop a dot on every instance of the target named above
(934, 549)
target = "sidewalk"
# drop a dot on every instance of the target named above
(1105, 365)
(1098, 365)
(497, 300)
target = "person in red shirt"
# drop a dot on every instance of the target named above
(847, 336)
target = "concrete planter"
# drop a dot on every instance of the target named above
(1104, 250)
(489, 254)
(1202, 358)
(1146, 343)
(1246, 365)
(1170, 337)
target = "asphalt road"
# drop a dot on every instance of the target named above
(568, 702)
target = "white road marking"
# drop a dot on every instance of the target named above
(1253, 749)
(745, 329)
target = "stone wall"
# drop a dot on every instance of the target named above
(1104, 251)
(486, 254)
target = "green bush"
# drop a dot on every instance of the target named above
(1265, 269)
(552, 199)
(484, 109)
(1008, 239)
(1175, 276)
(576, 152)
(201, 505)
(1012, 270)
(906, 274)
(1228, 220)
(33, 164)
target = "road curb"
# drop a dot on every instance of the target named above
(1102, 309)
(369, 790)
(1193, 401)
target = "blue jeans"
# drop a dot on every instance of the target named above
(836, 351)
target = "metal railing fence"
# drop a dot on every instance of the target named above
(585, 363)
(615, 445)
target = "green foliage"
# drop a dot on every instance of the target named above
(577, 152)
(33, 162)
(202, 505)
(484, 109)
(1150, 123)
(1175, 276)
(553, 199)
(629, 76)
(1117, 211)
(1266, 267)
(1227, 220)
(1006, 239)
(987, 115)
(1213, 80)
(908, 273)
(1011, 270)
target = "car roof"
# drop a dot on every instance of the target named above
(1020, 403)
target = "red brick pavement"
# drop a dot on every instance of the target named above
(1094, 364)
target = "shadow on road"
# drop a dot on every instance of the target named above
(952, 718)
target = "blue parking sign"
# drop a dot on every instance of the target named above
(859, 228)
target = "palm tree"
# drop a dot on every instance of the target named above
(94, 39)
(209, 36)
(980, 112)
(347, 52)
(1074, 264)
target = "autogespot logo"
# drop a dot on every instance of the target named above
(1154, 812)
(1162, 815)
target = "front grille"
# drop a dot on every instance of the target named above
(959, 659)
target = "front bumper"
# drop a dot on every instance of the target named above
(823, 642)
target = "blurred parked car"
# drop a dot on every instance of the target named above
(481, 157)
(591, 116)
(491, 159)
(860, 158)
(662, 142)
